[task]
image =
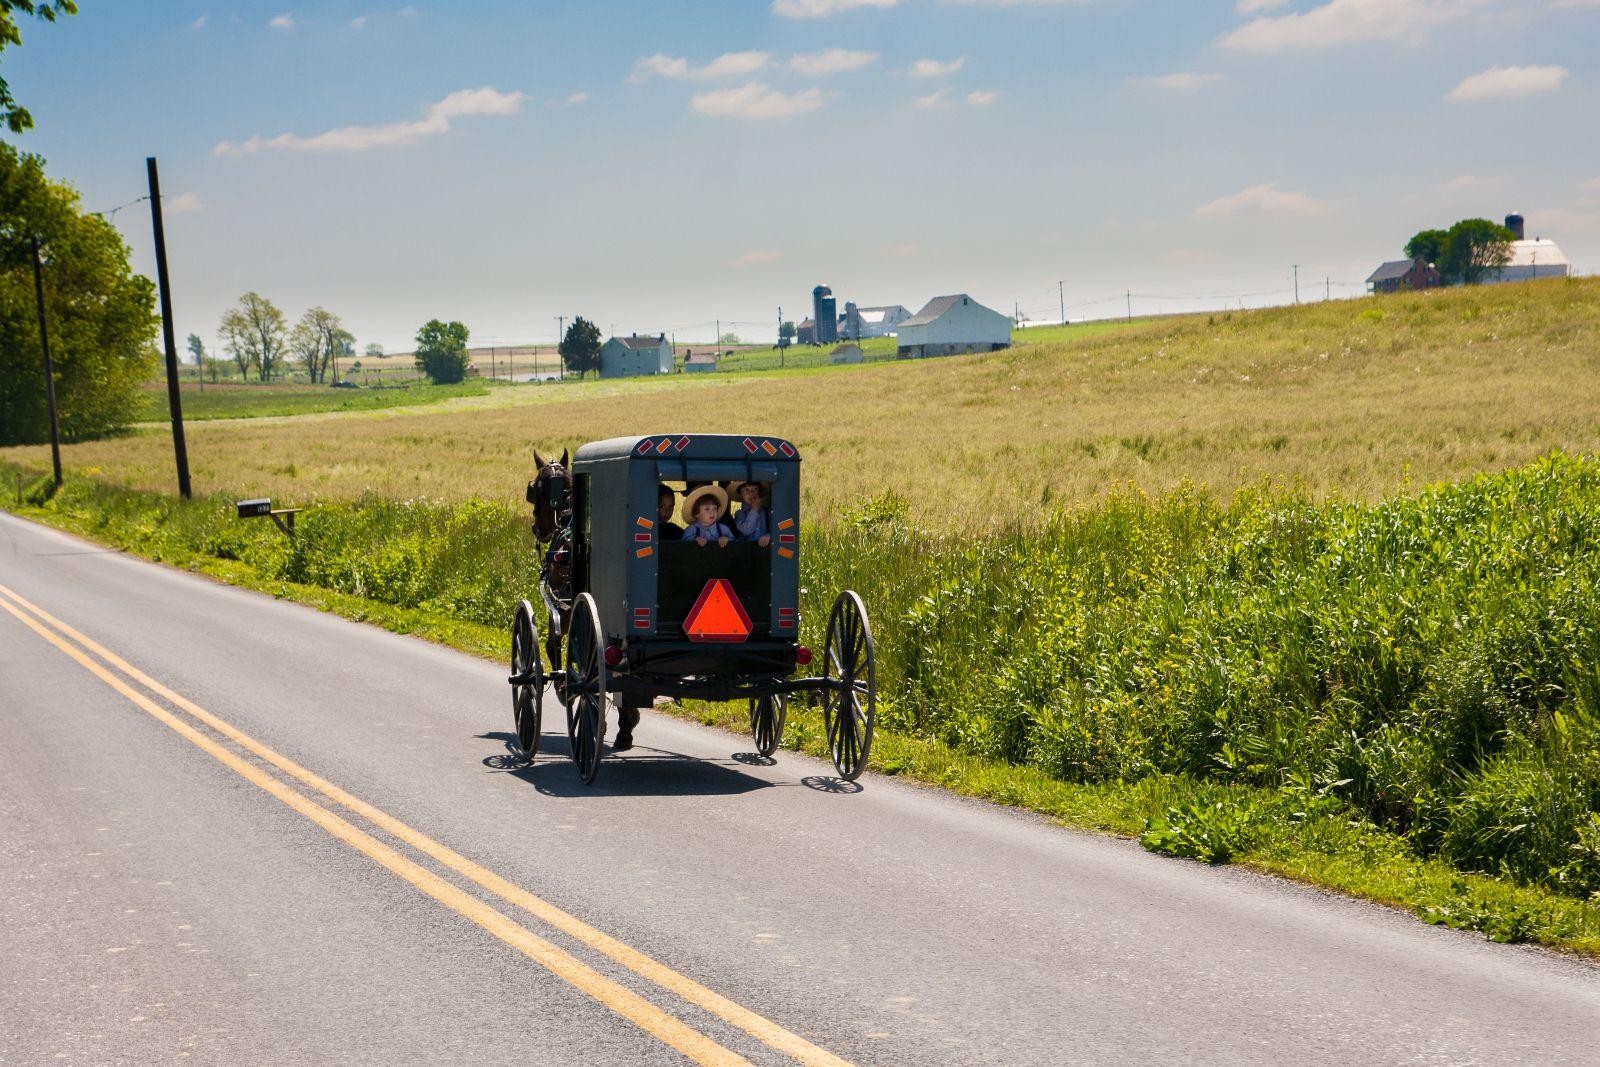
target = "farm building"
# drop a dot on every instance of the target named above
(630, 357)
(806, 332)
(1403, 274)
(948, 325)
(845, 353)
(1539, 258)
(702, 362)
(858, 322)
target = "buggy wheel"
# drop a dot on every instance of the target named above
(767, 715)
(586, 688)
(527, 699)
(850, 704)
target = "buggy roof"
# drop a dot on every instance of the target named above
(691, 446)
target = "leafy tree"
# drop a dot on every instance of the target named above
(254, 335)
(1428, 246)
(317, 340)
(1473, 248)
(15, 117)
(374, 350)
(580, 348)
(197, 349)
(729, 338)
(785, 334)
(442, 351)
(101, 315)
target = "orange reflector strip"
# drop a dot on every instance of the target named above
(643, 552)
(664, 445)
(786, 553)
(717, 615)
(785, 524)
(646, 523)
(771, 449)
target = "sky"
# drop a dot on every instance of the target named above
(662, 166)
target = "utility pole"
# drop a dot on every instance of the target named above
(782, 349)
(1297, 283)
(173, 399)
(561, 333)
(1327, 288)
(1130, 304)
(1061, 294)
(49, 368)
(719, 335)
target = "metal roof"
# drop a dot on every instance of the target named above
(1542, 252)
(637, 342)
(934, 308)
(1397, 268)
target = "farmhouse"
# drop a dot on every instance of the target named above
(630, 357)
(951, 324)
(858, 322)
(845, 353)
(1403, 274)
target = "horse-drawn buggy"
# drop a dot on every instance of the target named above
(637, 606)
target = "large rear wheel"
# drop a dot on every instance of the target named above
(586, 687)
(527, 686)
(850, 704)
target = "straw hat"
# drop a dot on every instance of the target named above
(691, 500)
(735, 487)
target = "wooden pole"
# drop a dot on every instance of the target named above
(49, 368)
(174, 400)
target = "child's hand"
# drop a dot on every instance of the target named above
(722, 542)
(701, 541)
(764, 540)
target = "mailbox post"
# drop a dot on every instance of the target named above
(262, 507)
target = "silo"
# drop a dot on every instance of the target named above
(826, 311)
(1514, 224)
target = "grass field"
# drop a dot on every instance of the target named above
(1361, 397)
(233, 400)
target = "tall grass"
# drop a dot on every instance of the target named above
(1430, 662)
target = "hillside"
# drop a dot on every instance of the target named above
(1357, 398)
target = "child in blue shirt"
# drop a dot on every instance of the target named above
(702, 508)
(754, 521)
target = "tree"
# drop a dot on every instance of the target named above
(1473, 248)
(197, 349)
(729, 338)
(374, 350)
(253, 334)
(580, 348)
(317, 340)
(14, 116)
(442, 351)
(101, 315)
(1428, 246)
(785, 334)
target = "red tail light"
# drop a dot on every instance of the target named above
(613, 656)
(802, 656)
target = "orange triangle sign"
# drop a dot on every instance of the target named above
(717, 615)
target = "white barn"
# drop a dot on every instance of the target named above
(1539, 258)
(951, 324)
(858, 322)
(630, 357)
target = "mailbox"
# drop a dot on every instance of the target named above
(254, 509)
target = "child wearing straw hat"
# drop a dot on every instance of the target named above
(703, 508)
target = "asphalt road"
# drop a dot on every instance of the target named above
(236, 830)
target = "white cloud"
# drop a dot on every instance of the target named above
(1591, 186)
(182, 204)
(1509, 83)
(756, 101)
(359, 22)
(756, 259)
(1339, 22)
(1266, 199)
(282, 22)
(199, 22)
(935, 68)
(1181, 82)
(1255, 7)
(463, 103)
(727, 65)
(821, 9)
(577, 96)
(831, 61)
(983, 97)
(933, 99)
(1462, 183)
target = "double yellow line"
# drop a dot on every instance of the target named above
(101, 662)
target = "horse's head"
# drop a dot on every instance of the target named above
(550, 493)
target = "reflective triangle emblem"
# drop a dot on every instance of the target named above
(717, 615)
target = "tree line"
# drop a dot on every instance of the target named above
(1464, 253)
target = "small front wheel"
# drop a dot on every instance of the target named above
(586, 688)
(527, 686)
(850, 703)
(767, 715)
